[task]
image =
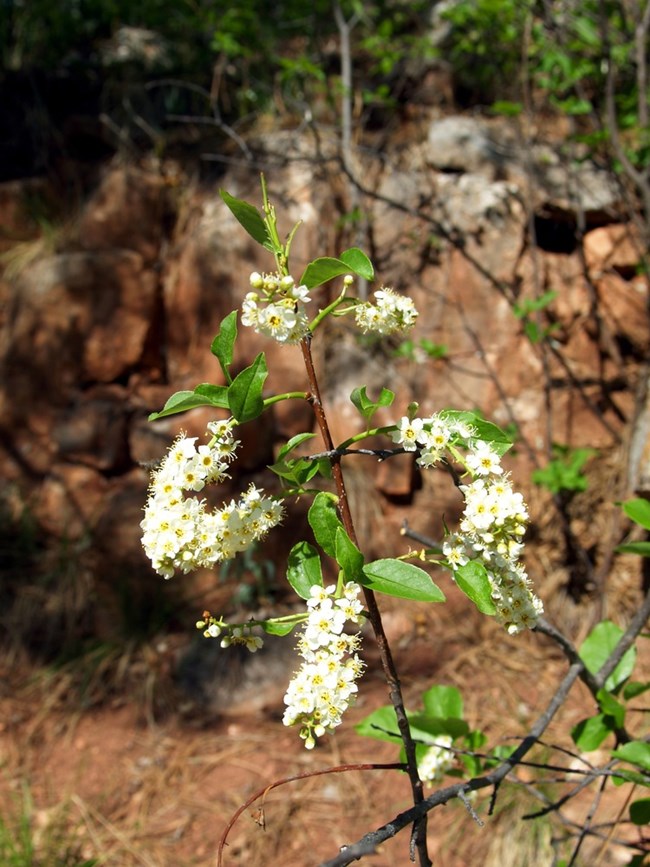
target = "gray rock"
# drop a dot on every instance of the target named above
(463, 144)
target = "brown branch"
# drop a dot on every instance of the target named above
(419, 834)
(368, 844)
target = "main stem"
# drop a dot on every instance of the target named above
(419, 836)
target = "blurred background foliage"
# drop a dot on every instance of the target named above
(144, 70)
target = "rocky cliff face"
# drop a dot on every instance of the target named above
(119, 312)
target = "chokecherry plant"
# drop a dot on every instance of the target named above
(181, 532)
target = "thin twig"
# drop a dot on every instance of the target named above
(262, 793)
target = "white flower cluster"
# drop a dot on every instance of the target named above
(181, 533)
(391, 314)
(430, 436)
(281, 314)
(494, 520)
(325, 685)
(436, 761)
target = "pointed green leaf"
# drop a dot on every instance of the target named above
(620, 776)
(296, 472)
(324, 520)
(483, 430)
(404, 580)
(359, 263)
(639, 511)
(304, 569)
(360, 400)
(293, 443)
(386, 397)
(611, 707)
(250, 218)
(640, 811)
(443, 701)
(589, 734)
(380, 724)
(216, 394)
(245, 391)
(634, 688)
(636, 753)
(274, 628)
(640, 548)
(597, 648)
(348, 556)
(321, 270)
(472, 578)
(224, 343)
(182, 401)
(367, 407)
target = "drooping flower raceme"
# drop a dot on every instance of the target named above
(325, 685)
(181, 533)
(275, 307)
(495, 516)
(391, 314)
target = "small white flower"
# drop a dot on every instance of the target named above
(483, 460)
(409, 433)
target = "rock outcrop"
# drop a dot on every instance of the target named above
(102, 330)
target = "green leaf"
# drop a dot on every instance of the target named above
(380, 724)
(611, 707)
(508, 109)
(216, 394)
(472, 578)
(304, 569)
(293, 443)
(640, 811)
(275, 628)
(296, 472)
(639, 511)
(484, 430)
(590, 733)
(443, 701)
(367, 407)
(348, 556)
(324, 520)
(473, 741)
(327, 268)
(533, 305)
(359, 263)
(400, 579)
(245, 391)
(624, 776)
(425, 727)
(597, 648)
(182, 401)
(224, 343)
(634, 688)
(325, 468)
(250, 218)
(321, 270)
(640, 548)
(636, 753)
